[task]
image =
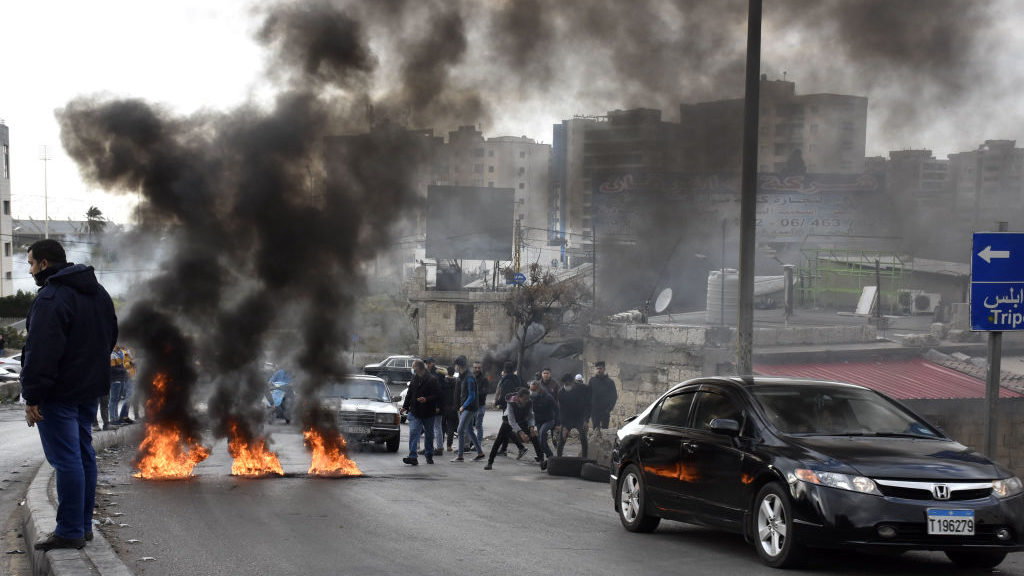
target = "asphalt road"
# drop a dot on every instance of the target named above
(442, 519)
(20, 455)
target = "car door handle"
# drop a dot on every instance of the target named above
(647, 441)
(690, 447)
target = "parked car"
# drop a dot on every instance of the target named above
(365, 410)
(12, 363)
(793, 464)
(396, 371)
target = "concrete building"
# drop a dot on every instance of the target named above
(6, 223)
(827, 132)
(921, 191)
(987, 187)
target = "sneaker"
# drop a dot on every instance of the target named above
(439, 450)
(479, 457)
(488, 466)
(127, 420)
(458, 459)
(430, 459)
(110, 426)
(410, 461)
(543, 464)
(522, 452)
(52, 542)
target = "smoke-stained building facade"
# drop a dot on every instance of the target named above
(825, 133)
(6, 223)
(988, 186)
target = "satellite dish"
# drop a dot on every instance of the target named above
(663, 300)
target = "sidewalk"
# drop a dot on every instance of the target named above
(40, 519)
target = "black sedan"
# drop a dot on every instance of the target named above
(796, 464)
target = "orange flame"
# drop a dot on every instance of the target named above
(329, 457)
(164, 452)
(678, 471)
(252, 459)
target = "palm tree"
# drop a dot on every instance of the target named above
(94, 216)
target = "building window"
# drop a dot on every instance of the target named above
(522, 154)
(7, 163)
(478, 168)
(7, 275)
(478, 153)
(7, 249)
(522, 186)
(522, 170)
(7, 207)
(490, 184)
(464, 317)
(490, 169)
(490, 153)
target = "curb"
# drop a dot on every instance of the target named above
(41, 518)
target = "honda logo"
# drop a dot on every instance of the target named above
(941, 491)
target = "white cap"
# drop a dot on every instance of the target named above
(579, 377)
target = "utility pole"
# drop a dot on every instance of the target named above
(45, 157)
(748, 200)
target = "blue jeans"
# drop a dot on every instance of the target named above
(66, 435)
(466, 421)
(419, 426)
(129, 389)
(438, 433)
(117, 387)
(480, 413)
(542, 431)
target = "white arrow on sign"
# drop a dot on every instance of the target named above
(988, 254)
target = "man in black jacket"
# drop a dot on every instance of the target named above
(508, 384)
(65, 369)
(573, 409)
(439, 415)
(603, 396)
(519, 423)
(421, 406)
(545, 411)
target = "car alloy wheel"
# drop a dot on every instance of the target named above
(633, 501)
(773, 528)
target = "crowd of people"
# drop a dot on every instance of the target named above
(447, 407)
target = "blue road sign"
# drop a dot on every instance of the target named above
(519, 278)
(997, 281)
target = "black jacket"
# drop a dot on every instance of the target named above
(508, 384)
(603, 394)
(427, 387)
(72, 329)
(574, 405)
(545, 408)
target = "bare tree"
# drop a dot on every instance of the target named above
(542, 305)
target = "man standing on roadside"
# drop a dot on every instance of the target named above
(440, 406)
(573, 409)
(467, 411)
(66, 369)
(603, 396)
(421, 406)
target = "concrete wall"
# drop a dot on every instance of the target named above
(964, 421)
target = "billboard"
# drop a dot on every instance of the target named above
(470, 222)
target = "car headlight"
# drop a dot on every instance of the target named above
(1007, 487)
(849, 482)
(386, 419)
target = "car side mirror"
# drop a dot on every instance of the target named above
(726, 426)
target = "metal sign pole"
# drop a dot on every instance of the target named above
(995, 353)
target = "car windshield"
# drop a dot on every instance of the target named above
(810, 410)
(357, 389)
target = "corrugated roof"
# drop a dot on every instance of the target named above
(900, 379)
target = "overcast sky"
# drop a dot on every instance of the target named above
(948, 89)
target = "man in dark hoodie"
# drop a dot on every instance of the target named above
(574, 410)
(519, 423)
(65, 370)
(421, 406)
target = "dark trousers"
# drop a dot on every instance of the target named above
(600, 419)
(449, 424)
(502, 441)
(506, 433)
(564, 436)
(66, 435)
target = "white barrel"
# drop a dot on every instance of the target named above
(719, 307)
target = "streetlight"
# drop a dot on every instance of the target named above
(45, 157)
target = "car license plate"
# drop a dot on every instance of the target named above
(355, 430)
(950, 522)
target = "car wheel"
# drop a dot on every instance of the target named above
(975, 558)
(773, 528)
(392, 444)
(633, 502)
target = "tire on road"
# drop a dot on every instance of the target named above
(594, 472)
(393, 443)
(566, 465)
(772, 528)
(631, 501)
